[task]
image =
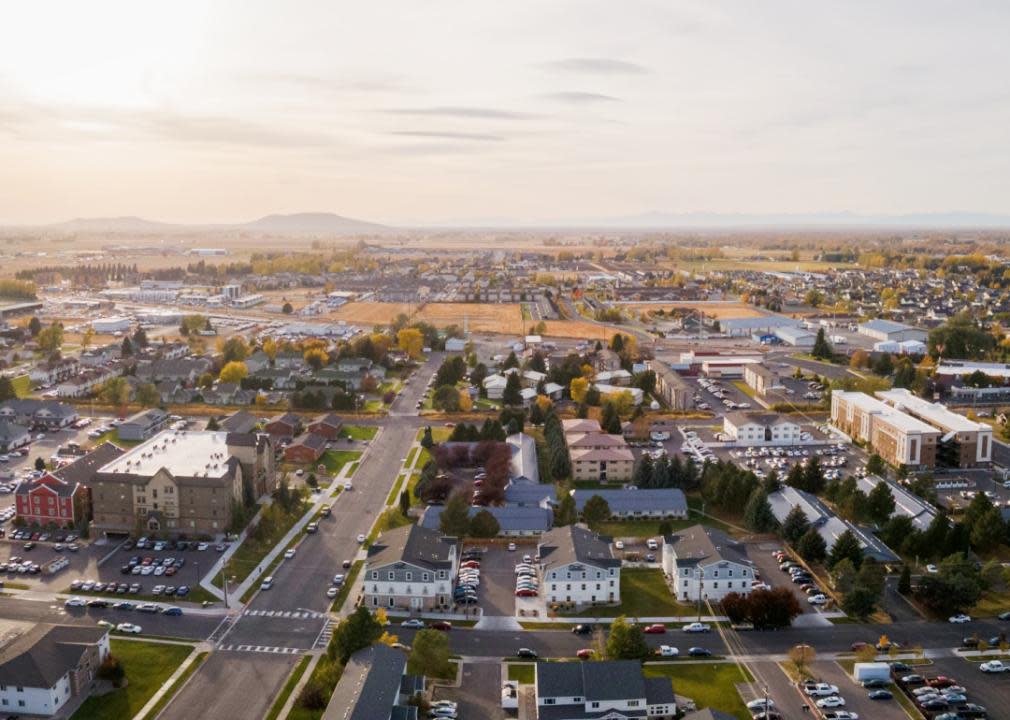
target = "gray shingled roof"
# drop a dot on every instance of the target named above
(512, 518)
(39, 657)
(412, 544)
(704, 545)
(624, 501)
(575, 543)
(369, 686)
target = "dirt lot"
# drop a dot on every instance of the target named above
(716, 310)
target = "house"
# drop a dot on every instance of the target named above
(523, 464)
(455, 345)
(522, 492)
(494, 386)
(178, 483)
(259, 360)
(374, 685)
(636, 393)
(305, 449)
(255, 455)
(828, 525)
(85, 383)
(606, 690)
(289, 360)
(45, 414)
(50, 373)
(13, 436)
(893, 331)
(554, 391)
(607, 360)
(61, 497)
(627, 504)
(143, 424)
(411, 568)
(896, 436)
(964, 443)
(513, 520)
(43, 667)
(704, 563)
(532, 378)
(578, 567)
(328, 426)
(239, 422)
(619, 377)
(186, 370)
(282, 426)
(754, 429)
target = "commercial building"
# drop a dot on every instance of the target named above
(43, 666)
(375, 686)
(754, 429)
(672, 389)
(796, 336)
(703, 563)
(963, 443)
(113, 324)
(897, 437)
(410, 568)
(597, 455)
(578, 567)
(178, 483)
(606, 690)
(889, 330)
(765, 324)
(143, 425)
(628, 504)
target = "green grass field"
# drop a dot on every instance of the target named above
(644, 593)
(709, 685)
(22, 385)
(359, 432)
(148, 665)
(179, 682)
(334, 460)
(521, 672)
(251, 552)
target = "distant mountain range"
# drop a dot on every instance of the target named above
(295, 224)
(800, 220)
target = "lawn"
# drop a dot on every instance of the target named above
(410, 457)
(289, 687)
(334, 460)
(744, 388)
(711, 685)
(148, 665)
(438, 434)
(113, 437)
(522, 672)
(22, 385)
(358, 432)
(251, 552)
(390, 519)
(325, 676)
(394, 494)
(179, 682)
(644, 593)
(991, 604)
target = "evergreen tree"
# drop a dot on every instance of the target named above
(642, 476)
(536, 414)
(795, 525)
(880, 503)
(846, 547)
(582, 411)
(811, 546)
(905, 581)
(566, 513)
(455, 517)
(813, 477)
(511, 394)
(617, 343)
(626, 641)
(355, 632)
(796, 477)
(484, 525)
(595, 512)
(757, 515)
(405, 503)
(610, 421)
(427, 442)
(822, 349)
(511, 361)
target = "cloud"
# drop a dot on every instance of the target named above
(581, 98)
(456, 111)
(597, 66)
(441, 135)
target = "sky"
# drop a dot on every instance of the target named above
(525, 112)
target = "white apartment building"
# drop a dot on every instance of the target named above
(707, 564)
(578, 567)
(752, 429)
(410, 568)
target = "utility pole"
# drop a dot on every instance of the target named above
(699, 573)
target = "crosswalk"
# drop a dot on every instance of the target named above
(292, 614)
(324, 635)
(221, 630)
(263, 649)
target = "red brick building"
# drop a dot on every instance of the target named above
(49, 500)
(305, 449)
(284, 426)
(328, 426)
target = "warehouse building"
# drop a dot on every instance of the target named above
(884, 330)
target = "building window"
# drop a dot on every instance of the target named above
(375, 575)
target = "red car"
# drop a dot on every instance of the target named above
(443, 625)
(656, 629)
(941, 681)
(584, 654)
(526, 592)
(470, 564)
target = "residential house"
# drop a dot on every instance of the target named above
(605, 690)
(374, 685)
(86, 383)
(703, 563)
(61, 497)
(43, 667)
(186, 370)
(578, 567)
(328, 426)
(286, 425)
(50, 373)
(494, 386)
(239, 422)
(259, 360)
(45, 414)
(13, 436)
(410, 567)
(305, 449)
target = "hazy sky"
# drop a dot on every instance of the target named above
(471, 111)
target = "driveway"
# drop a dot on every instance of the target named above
(496, 593)
(761, 555)
(479, 695)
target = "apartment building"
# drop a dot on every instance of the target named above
(410, 568)
(759, 378)
(176, 483)
(671, 388)
(375, 684)
(607, 690)
(597, 455)
(703, 563)
(578, 567)
(60, 497)
(143, 425)
(896, 436)
(963, 443)
(755, 429)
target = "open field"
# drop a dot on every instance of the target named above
(709, 685)
(718, 310)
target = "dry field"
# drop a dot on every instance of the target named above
(720, 311)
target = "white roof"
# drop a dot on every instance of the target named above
(933, 413)
(964, 367)
(895, 417)
(183, 453)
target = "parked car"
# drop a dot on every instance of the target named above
(412, 623)
(443, 625)
(526, 653)
(881, 695)
(655, 629)
(697, 627)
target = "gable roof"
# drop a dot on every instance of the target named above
(41, 656)
(239, 422)
(412, 544)
(575, 543)
(369, 686)
(703, 545)
(627, 500)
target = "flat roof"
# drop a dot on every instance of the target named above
(183, 453)
(959, 367)
(934, 413)
(891, 415)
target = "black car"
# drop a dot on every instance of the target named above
(97, 603)
(128, 545)
(699, 652)
(881, 695)
(969, 642)
(582, 629)
(125, 570)
(971, 710)
(900, 667)
(875, 683)
(345, 564)
(526, 653)
(1004, 615)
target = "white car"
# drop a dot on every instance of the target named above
(289, 553)
(959, 619)
(619, 544)
(331, 592)
(74, 602)
(932, 569)
(412, 623)
(841, 715)
(761, 704)
(831, 702)
(348, 485)
(128, 628)
(817, 599)
(361, 539)
(667, 651)
(994, 666)
(821, 690)
(267, 583)
(697, 627)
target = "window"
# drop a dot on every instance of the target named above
(424, 577)
(375, 575)
(409, 576)
(633, 703)
(392, 575)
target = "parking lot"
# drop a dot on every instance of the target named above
(496, 593)
(83, 563)
(479, 694)
(856, 697)
(956, 489)
(761, 555)
(992, 691)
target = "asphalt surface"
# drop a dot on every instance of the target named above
(479, 694)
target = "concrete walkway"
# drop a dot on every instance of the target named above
(167, 685)
(498, 622)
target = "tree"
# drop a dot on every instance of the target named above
(34, 326)
(511, 395)
(988, 530)
(566, 513)
(773, 609)
(316, 358)
(111, 670)
(801, 657)
(905, 581)
(795, 525)
(822, 349)
(429, 655)
(40, 464)
(234, 372)
(50, 339)
(147, 395)
(859, 359)
(626, 641)
(355, 632)
(455, 517)
(595, 512)
(880, 503)
(140, 338)
(813, 477)
(610, 421)
(427, 442)
(405, 503)
(87, 337)
(757, 515)
(287, 308)
(411, 341)
(875, 465)
(213, 424)
(577, 389)
(115, 391)
(6, 389)
(811, 546)
(961, 337)
(484, 525)
(446, 398)
(955, 585)
(846, 547)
